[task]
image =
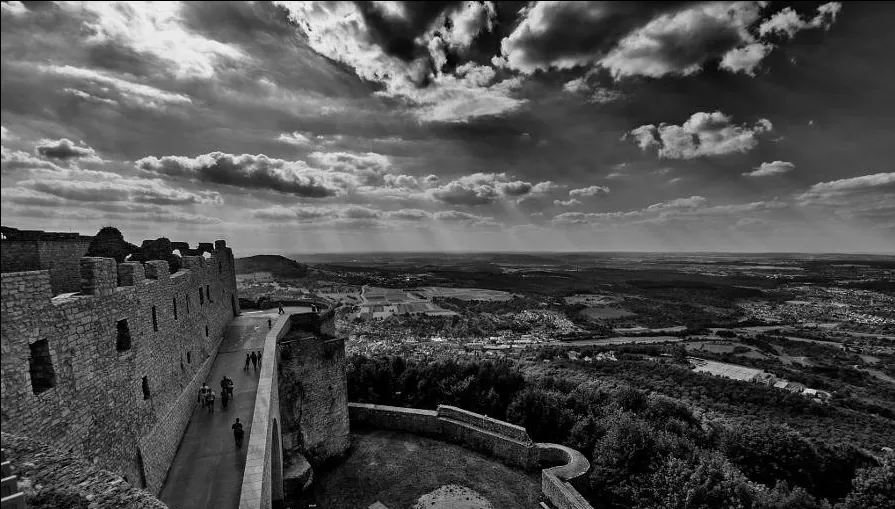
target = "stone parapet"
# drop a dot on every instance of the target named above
(484, 422)
(257, 491)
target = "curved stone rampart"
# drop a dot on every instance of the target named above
(558, 481)
(508, 442)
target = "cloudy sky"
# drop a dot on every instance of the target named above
(371, 126)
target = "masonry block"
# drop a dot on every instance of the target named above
(157, 269)
(99, 276)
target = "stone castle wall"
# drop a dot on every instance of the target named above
(91, 398)
(60, 253)
(314, 389)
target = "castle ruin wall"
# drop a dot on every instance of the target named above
(60, 253)
(118, 369)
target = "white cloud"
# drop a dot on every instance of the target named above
(647, 39)
(680, 203)
(409, 215)
(469, 22)
(86, 96)
(467, 94)
(588, 191)
(681, 42)
(338, 31)
(486, 188)
(295, 138)
(136, 93)
(13, 8)
(594, 94)
(770, 169)
(567, 203)
(787, 21)
(693, 210)
(155, 28)
(58, 187)
(746, 59)
(854, 185)
(703, 134)
(300, 214)
(250, 172)
(865, 197)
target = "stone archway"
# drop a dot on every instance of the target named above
(276, 463)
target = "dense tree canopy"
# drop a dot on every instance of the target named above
(647, 450)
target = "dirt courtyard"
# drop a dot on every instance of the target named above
(396, 469)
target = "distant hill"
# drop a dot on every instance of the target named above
(278, 266)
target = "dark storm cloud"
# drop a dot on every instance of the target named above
(64, 150)
(12, 160)
(517, 188)
(577, 31)
(246, 171)
(397, 35)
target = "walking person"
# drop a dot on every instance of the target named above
(259, 358)
(209, 400)
(203, 392)
(226, 390)
(269, 323)
(247, 363)
(254, 360)
(237, 432)
(281, 311)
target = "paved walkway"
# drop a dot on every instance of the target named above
(207, 470)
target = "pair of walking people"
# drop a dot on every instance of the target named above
(207, 397)
(255, 359)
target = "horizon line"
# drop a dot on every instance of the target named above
(471, 251)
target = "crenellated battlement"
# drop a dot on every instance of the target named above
(103, 276)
